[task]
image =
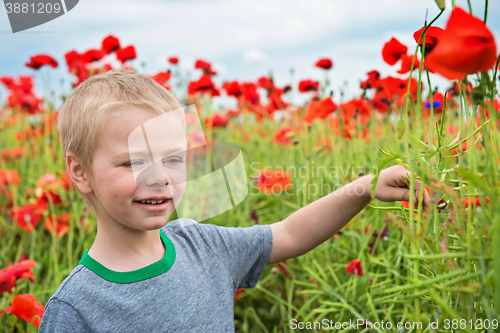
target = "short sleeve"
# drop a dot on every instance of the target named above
(59, 316)
(244, 251)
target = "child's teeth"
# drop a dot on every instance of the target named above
(154, 202)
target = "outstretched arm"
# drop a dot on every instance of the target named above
(320, 220)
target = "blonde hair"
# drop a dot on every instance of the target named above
(82, 117)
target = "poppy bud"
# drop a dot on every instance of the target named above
(478, 95)
(441, 205)
(441, 4)
(400, 128)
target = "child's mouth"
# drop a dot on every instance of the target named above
(152, 202)
(155, 205)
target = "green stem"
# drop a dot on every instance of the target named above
(485, 11)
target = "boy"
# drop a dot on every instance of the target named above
(182, 277)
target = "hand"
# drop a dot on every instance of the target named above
(391, 187)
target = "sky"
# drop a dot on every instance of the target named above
(243, 39)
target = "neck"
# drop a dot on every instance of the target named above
(123, 249)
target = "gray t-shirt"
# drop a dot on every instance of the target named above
(190, 290)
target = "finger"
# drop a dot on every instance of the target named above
(425, 197)
(400, 194)
(427, 201)
(407, 176)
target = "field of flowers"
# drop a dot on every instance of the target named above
(392, 263)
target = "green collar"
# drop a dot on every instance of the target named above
(156, 268)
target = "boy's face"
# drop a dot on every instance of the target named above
(122, 178)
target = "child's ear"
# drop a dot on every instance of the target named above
(77, 174)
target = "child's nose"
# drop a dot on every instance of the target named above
(154, 176)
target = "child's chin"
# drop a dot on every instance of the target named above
(157, 222)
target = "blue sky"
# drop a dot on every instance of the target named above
(243, 39)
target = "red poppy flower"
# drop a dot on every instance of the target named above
(466, 46)
(202, 64)
(324, 63)
(58, 225)
(407, 62)
(232, 88)
(354, 268)
(431, 36)
(162, 78)
(457, 86)
(275, 101)
(381, 102)
(66, 180)
(397, 86)
(406, 204)
(204, 85)
(41, 60)
(92, 55)
(205, 66)
(308, 85)
(283, 136)
(47, 185)
(125, 54)
(173, 60)
(216, 120)
(110, 44)
(27, 308)
(238, 294)
(355, 106)
(372, 81)
(250, 92)
(25, 83)
(10, 177)
(21, 95)
(27, 102)
(266, 83)
(325, 143)
(12, 153)
(466, 145)
(7, 81)
(10, 274)
(475, 201)
(393, 50)
(73, 60)
(27, 216)
(233, 113)
(319, 109)
(496, 108)
(273, 181)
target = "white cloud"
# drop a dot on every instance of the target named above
(270, 6)
(258, 36)
(294, 25)
(248, 35)
(254, 56)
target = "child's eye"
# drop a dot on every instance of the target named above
(134, 163)
(173, 160)
(139, 163)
